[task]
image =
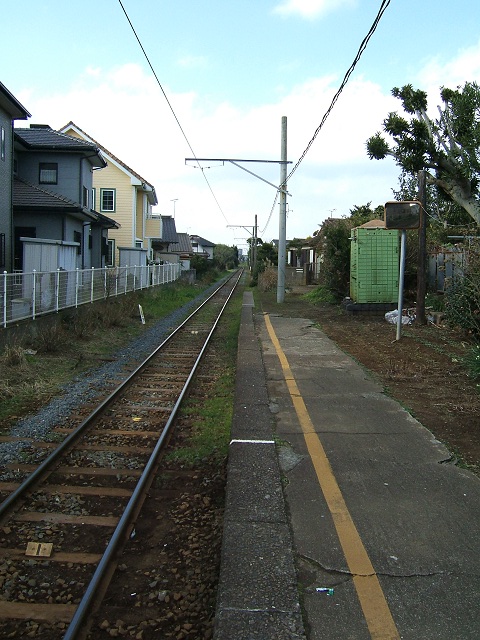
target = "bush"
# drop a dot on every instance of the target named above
(14, 356)
(435, 301)
(473, 362)
(335, 245)
(462, 297)
(267, 280)
(321, 295)
(50, 338)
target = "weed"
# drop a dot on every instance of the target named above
(435, 301)
(14, 356)
(267, 280)
(212, 419)
(472, 362)
(50, 338)
(320, 295)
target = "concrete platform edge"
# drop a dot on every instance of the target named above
(258, 594)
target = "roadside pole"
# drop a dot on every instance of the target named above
(282, 227)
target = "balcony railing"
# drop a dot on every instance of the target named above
(26, 296)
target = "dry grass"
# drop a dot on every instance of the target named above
(267, 280)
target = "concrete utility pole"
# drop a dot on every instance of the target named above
(254, 247)
(282, 226)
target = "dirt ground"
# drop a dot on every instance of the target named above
(423, 370)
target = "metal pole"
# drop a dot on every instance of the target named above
(282, 226)
(254, 248)
(400, 283)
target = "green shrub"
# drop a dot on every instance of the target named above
(473, 362)
(462, 297)
(321, 295)
(435, 301)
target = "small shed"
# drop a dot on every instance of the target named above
(374, 263)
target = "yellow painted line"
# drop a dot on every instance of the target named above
(372, 599)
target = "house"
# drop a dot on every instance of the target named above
(183, 249)
(202, 247)
(122, 194)
(55, 224)
(10, 110)
(161, 234)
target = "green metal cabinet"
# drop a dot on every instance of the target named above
(374, 265)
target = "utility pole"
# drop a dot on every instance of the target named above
(282, 226)
(254, 247)
(422, 250)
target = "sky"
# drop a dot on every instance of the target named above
(222, 76)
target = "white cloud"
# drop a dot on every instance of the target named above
(193, 62)
(125, 111)
(436, 72)
(310, 9)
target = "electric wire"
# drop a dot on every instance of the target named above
(171, 108)
(349, 72)
(270, 215)
(360, 51)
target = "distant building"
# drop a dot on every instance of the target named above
(202, 247)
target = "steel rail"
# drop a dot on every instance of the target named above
(45, 466)
(82, 612)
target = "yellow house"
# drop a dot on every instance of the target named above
(123, 195)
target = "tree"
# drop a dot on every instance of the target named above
(225, 257)
(447, 148)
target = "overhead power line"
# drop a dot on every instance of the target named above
(361, 49)
(170, 106)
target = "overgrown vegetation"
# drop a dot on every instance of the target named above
(34, 367)
(472, 362)
(462, 297)
(320, 295)
(212, 418)
(207, 271)
(267, 279)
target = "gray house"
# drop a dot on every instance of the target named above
(162, 243)
(10, 110)
(202, 247)
(55, 223)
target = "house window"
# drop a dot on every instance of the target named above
(2, 250)
(85, 197)
(2, 144)
(48, 173)
(77, 237)
(107, 199)
(110, 260)
(94, 200)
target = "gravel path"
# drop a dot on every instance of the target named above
(91, 383)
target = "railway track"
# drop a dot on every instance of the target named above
(74, 504)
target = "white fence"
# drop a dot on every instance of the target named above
(28, 295)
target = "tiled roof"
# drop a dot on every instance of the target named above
(44, 137)
(112, 156)
(29, 196)
(183, 245)
(202, 241)
(169, 230)
(11, 105)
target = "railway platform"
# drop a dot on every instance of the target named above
(345, 518)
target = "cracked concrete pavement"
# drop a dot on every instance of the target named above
(418, 517)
